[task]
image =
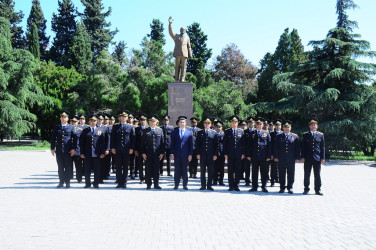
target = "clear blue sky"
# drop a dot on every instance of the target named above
(253, 25)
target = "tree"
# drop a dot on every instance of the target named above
(97, 27)
(80, 51)
(60, 84)
(18, 92)
(36, 16)
(333, 86)
(200, 52)
(232, 66)
(15, 18)
(119, 54)
(34, 42)
(64, 26)
(156, 33)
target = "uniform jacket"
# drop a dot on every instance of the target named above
(273, 136)
(152, 142)
(94, 144)
(206, 143)
(181, 147)
(139, 131)
(219, 144)
(167, 131)
(233, 146)
(182, 44)
(260, 147)
(63, 139)
(313, 147)
(287, 149)
(194, 131)
(247, 138)
(78, 130)
(123, 138)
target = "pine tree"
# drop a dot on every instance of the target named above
(333, 86)
(80, 50)
(36, 16)
(18, 92)
(34, 42)
(156, 33)
(200, 52)
(64, 25)
(97, 26)
(119, 53)
(15, 18)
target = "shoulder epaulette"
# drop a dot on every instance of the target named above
(305, 132)
(320, 133)
(158, 128)
(294, 134)
(228, 129)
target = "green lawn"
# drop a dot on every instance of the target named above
(24, 145)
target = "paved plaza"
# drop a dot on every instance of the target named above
(36, 215)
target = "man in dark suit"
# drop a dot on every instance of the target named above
(167, 131)
(122, 145)
(219, 163)
(273, 164)
(78, 161)
(247, 139)
(93, 144)
(152, 150)
(259, 152)
(206, 152)
(286, 154)
(193, 164)
(139, 161)
(64, 144)
(181, 151)
(233, 144)
(313, 155)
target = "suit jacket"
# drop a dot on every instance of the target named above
(152, 142)
(181, 147)
(206, 143)
(93, 144)
(234, 145)
(182, 44)
(287, 149)
(260, 147)
(63, 139)
(313, 147)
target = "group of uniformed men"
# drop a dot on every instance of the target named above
(251, 146)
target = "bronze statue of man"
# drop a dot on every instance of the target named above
(182, 51)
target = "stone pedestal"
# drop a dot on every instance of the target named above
(180, 100)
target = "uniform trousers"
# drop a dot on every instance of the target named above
(64, 165)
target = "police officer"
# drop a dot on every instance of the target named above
(122, 145)
(133, 171)
(247, 138)
(78, 161)
(286, 154)
(313, 155)
(234, 151)
(93, 144)
(206, 152)
(273, 164)
(259, 152)
(194, 162)
(82, 121)
(64, 144)
(152, 150)
(107, 157)
(219, 163)
(111, 124)
(139, 159)
(167, 131)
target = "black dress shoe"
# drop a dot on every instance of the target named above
(214, 184)
(161, 174)
(119, 186)
(185, 188)
(101, 182)
(210, 188)
(96, 186)
(231, 189)
(67, 186)
(290, 191)
(222, 184)
(176, 187)
(247, 184)
(169, 174)
(140, 181)
(319, 193)
(272, 184)
(264, 190)
(60, 185)
(87, 186)
(124, 186)
(157, 187)
(148, 187)
(79, 181)
(305, 192)
(281, 191)
(202, 188)
(237, 189)
(252, 190)
(132, 178)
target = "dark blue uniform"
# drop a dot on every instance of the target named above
(247, 139)
(167, 131)
(259, 149)
(139, 161)
(103, 169)
(122, 140)
(206, 142)
(133, 170)
(153, 146)
(63, 140)
(313, 151)
(78, 161)
(93, 144)
(194, 162)
(286, 150)
(274, 176)
(219, 169)
(234, 148)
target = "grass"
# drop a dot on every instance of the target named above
(357, 156)
(24, 145)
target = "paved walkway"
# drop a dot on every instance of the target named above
(35, 215)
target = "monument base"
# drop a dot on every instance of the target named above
(180, 100)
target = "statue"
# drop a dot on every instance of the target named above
(182, 51)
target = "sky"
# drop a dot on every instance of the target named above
(253, 25)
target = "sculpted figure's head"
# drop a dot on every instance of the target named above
(182, 31)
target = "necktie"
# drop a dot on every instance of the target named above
(234, 132)
(181, 133)
(92, 130)
(206, 132)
